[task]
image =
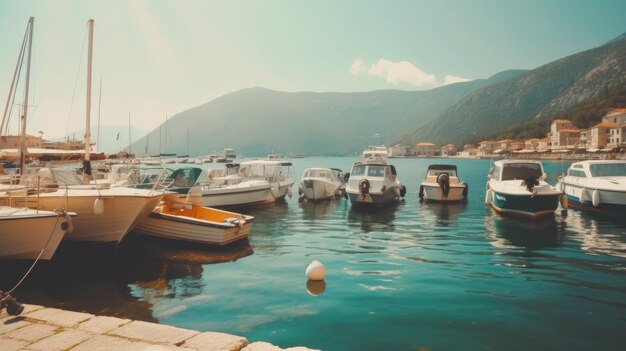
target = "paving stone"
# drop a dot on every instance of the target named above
(102, 324)
(211, 341)
(152, 332)
(30, 308)
(106, 343)
(33, 332)
(265, 346)
(10, 323)
(61, 341)
(7, 344)
(59, 317)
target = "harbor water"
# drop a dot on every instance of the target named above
(409, 277)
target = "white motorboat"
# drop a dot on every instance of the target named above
(321, 183)
(195, 223)
(518, 187)
(596, 185)
(220, 188)
(276, 172)
(442, 184)
(374, 182)
(28, 234)
(104, 214)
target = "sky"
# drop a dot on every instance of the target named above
(154, 59)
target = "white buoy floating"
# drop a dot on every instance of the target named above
(316, 271)
(595, 198)
(98, 207)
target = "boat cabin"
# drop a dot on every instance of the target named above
(516, 170)
(435, 171)
(373, 170)
(597, 169)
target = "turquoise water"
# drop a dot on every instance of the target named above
(413, 276)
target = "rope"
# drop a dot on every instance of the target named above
(59, 214)
(67, 127)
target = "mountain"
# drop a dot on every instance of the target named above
(256, 121)
(543, 93)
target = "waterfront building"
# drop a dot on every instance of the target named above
(487, 147)
(616, 137)
(449, 150)
(560, 129)
(425, 149)
(399, 150)
(598, 136)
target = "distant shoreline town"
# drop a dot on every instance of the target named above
(605, 140)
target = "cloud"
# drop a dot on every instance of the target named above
(403, 71)
(450, 79)
(357, 67)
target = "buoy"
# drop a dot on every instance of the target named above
(316, 271)
(583, 196)
(564, 202)
(595, 198)
(98, 207)
(488, 197)
(315, 287)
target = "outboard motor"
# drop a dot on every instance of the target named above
(444, 183)
(364, 187)
(531, 182)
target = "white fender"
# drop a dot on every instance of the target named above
(488, 197)
(289, 192)
(316, 271)
(564, 202)
(98, 207)
(595, 198)
(583, 196)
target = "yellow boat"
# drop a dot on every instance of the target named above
(195, 223)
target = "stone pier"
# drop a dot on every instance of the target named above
(50, 329)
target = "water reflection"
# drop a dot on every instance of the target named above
(442, 214)
(313, 210)
(598, 235)
(315, 287)
(510, 232)
(373, 219)
(127, 284)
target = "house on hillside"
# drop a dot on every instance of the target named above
(616, 116)
(425, 149)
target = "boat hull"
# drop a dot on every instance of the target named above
(318, 189)
(611, 202)
(533, 206)
(389, 196)
(24, 235)
(185, 226)
(433, 192)
(120, 212)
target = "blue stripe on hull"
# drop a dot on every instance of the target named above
(611, 209)
(525, 205)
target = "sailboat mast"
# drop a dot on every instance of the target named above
(99, 104)
(88, 114)
(130, 150)
(23, 138)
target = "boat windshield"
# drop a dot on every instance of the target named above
(608, 170)
(512, 171)
(318, 173)
(358, 170)
(376, 171)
